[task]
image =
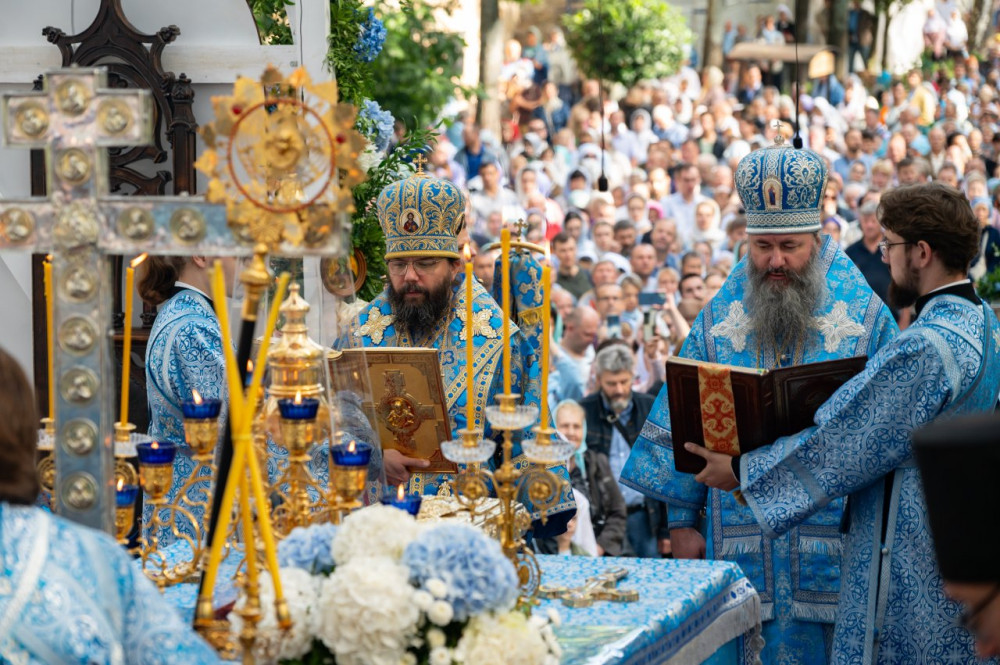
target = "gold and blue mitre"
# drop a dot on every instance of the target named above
(782, 189)
(421, 216)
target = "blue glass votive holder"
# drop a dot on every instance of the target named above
(343, 455)
(304, 409)
(126, 495)
(156, 452)
(408, 502)
(206, 409)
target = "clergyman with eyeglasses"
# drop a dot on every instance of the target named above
(423, 306)
(893, 606)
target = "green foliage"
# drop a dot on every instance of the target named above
(988, 286)
(272, 21)
(626, 41)
(418, 72)
(366, 233)
(354, 79)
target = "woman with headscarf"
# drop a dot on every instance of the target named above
(988, 258)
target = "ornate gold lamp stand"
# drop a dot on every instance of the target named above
(298, 434)
(201, 431)
(542, 486)
(348, 472)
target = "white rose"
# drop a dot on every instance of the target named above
(440, 613)
(440, 656)
(436, 587)
(436, 638)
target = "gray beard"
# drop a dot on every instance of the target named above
(781, 314)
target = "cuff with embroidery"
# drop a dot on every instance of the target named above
(680, 518)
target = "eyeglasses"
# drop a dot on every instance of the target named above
(398, 268)
(885, 245)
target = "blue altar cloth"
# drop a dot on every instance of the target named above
(687, 612)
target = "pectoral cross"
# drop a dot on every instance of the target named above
(75, 118)
(599, 587)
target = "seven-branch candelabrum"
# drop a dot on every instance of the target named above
(536, 482)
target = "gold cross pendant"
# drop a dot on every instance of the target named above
(599, 587)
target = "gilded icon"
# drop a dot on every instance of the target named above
(79, 385)
(79, 436)
(32, 119)
(73, 166)
(80, 491)
(114, 116)
(73, 96)
(136, 223)
(77, 335)
(187, 225)
(16, 225)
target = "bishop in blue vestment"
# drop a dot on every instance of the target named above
(424, 306)
(892, 603)
(796, 298)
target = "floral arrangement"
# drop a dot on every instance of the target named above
(383, 589)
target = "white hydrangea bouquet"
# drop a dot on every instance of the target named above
(383, 589)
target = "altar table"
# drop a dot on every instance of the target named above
(688, 612)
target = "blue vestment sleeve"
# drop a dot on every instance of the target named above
(650, 466)
(862, 433)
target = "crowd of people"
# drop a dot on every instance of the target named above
(633, 190)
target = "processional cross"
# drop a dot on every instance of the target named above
(598, 587)
(75, 118)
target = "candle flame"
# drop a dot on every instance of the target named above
(121, 484)
(48, 257)
(298, 397)
(139, 259)
(196, 396)
(400, 493)
(249, 367)
(352, 446)
(467, 253)
(154, 446)
(548, 255)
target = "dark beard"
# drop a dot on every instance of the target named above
(780, 314)
(420, 318)
(901, 296)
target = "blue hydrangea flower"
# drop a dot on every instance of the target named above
(308, 548)
(470, 563)
(371, 37)
(375, 123)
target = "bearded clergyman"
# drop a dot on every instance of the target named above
(424, 305)
(796, 298)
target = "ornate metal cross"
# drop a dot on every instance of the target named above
(75, 118)
(599, 587)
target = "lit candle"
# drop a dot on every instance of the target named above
(505, 276)
(127, 346)
(156, 452)
(50, 334)
(470, 348)
(299, 408)
(201, 408)
(546, 316)
(408, 502)
(125, 495)
(351, 454)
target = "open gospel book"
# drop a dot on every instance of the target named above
(737, 409)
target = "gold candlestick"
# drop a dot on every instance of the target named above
(346, 485)
(296, 507)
